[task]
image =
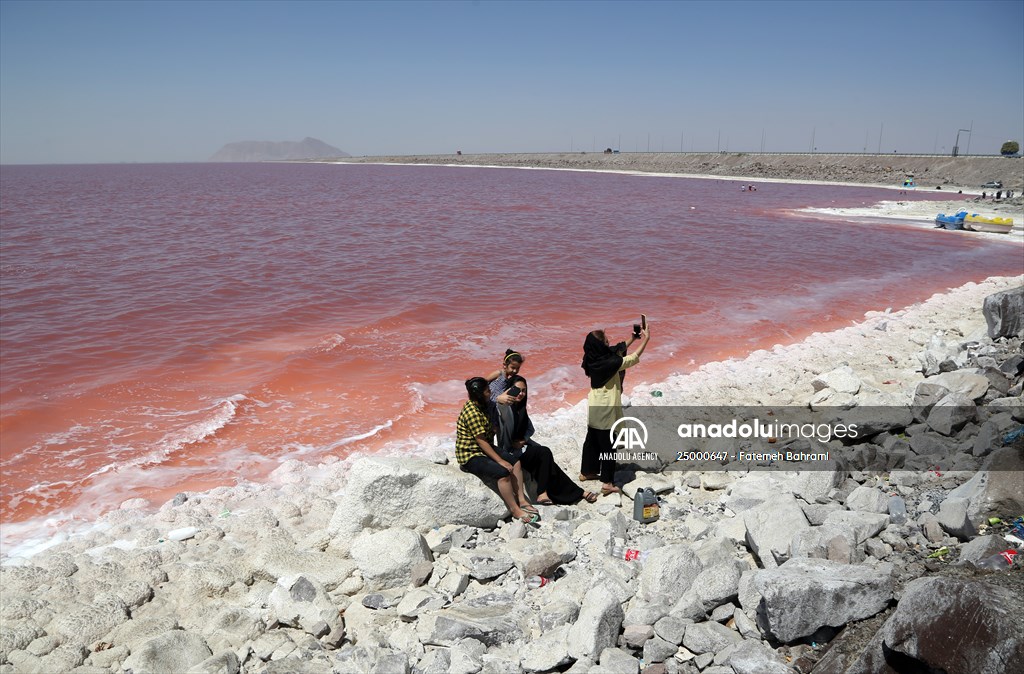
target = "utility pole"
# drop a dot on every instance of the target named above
(970, 134)
(880, 130)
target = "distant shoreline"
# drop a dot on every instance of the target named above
(949, 173)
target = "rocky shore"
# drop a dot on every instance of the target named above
(949, 173)
(401, 564)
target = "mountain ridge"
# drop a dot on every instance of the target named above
(263, 150)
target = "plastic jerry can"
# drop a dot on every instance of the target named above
(645, 506)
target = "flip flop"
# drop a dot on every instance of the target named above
(533, 518)
(530, 508)
(590, 497)
(545, 502)
(588, 478)
(605, 491)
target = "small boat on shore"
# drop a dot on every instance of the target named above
(943, 221)
(980, 223)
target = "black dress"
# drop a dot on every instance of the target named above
(514, 425)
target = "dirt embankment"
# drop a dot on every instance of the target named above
(955, 173)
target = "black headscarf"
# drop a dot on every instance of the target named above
(601, 361)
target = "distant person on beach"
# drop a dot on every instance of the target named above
(605, 366)
(515, 437)
(474, 435)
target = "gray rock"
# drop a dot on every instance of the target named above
(931, 528)
(988, 439)
(668, 572)
(483, 564)
(636, 635)
(547, 653)
(868, 499)
(948, 625)
(980, 548)
(222, 663)
(658, 650)
(709, 637)
(753, 657)
(803, 595)
(829, 541)
(842, 379)
(383, 492)
(953, 517)
(598, 625)
(303, 603)
(1004, 313)
(862, 525)
(385, 558)
(971, 384)
(771, 527)
(435, 661)
(951, 413)
(418, 601)
(490, 619)
(671, 629)
(745, 626)
(170, 653)
(722, 613)
(719, 583)
(619, 662)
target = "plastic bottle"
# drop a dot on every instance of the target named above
(897, 510)
(533, 582)
(630, 554)
(999, 561)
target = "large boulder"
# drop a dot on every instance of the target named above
(1004, 313)
(948, 625)
(597, 627)
(804, 595)
(771, 527)
(491, 619)
(384, 492)
(668, 573)
(386, 558)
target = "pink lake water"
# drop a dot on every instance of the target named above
(178, 327)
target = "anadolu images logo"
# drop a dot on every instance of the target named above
(629, 433)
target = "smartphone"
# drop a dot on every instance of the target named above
(643, 321)
(515, 391)
(636, 329)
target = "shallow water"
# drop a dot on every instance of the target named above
(172, 327)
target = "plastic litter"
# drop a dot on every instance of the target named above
(534, 582)
(941, 552)
(656, 394)
(897, 510)
(630, 554)
(999, 561)
(645, 506)
(182, 534)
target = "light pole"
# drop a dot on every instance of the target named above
(956, 145)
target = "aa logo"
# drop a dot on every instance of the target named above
(629, 434)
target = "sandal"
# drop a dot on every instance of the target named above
(545, 502)
(529, 518)
(588, 478)
(529, 507)
(590, 497)
(605, 491)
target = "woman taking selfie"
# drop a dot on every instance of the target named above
(605, 366)
(515, 436)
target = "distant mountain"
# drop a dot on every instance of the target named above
(262, 150)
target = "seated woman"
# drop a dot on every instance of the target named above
(475, 453)
(515, 431)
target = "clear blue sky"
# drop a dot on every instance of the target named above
(174, 81)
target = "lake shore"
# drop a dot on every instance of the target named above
(953, 174)
(357, 562)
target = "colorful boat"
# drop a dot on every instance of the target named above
(981, 223)
(943, 221)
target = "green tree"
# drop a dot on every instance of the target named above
(1010, 147)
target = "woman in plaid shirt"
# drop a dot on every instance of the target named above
(476, 454)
